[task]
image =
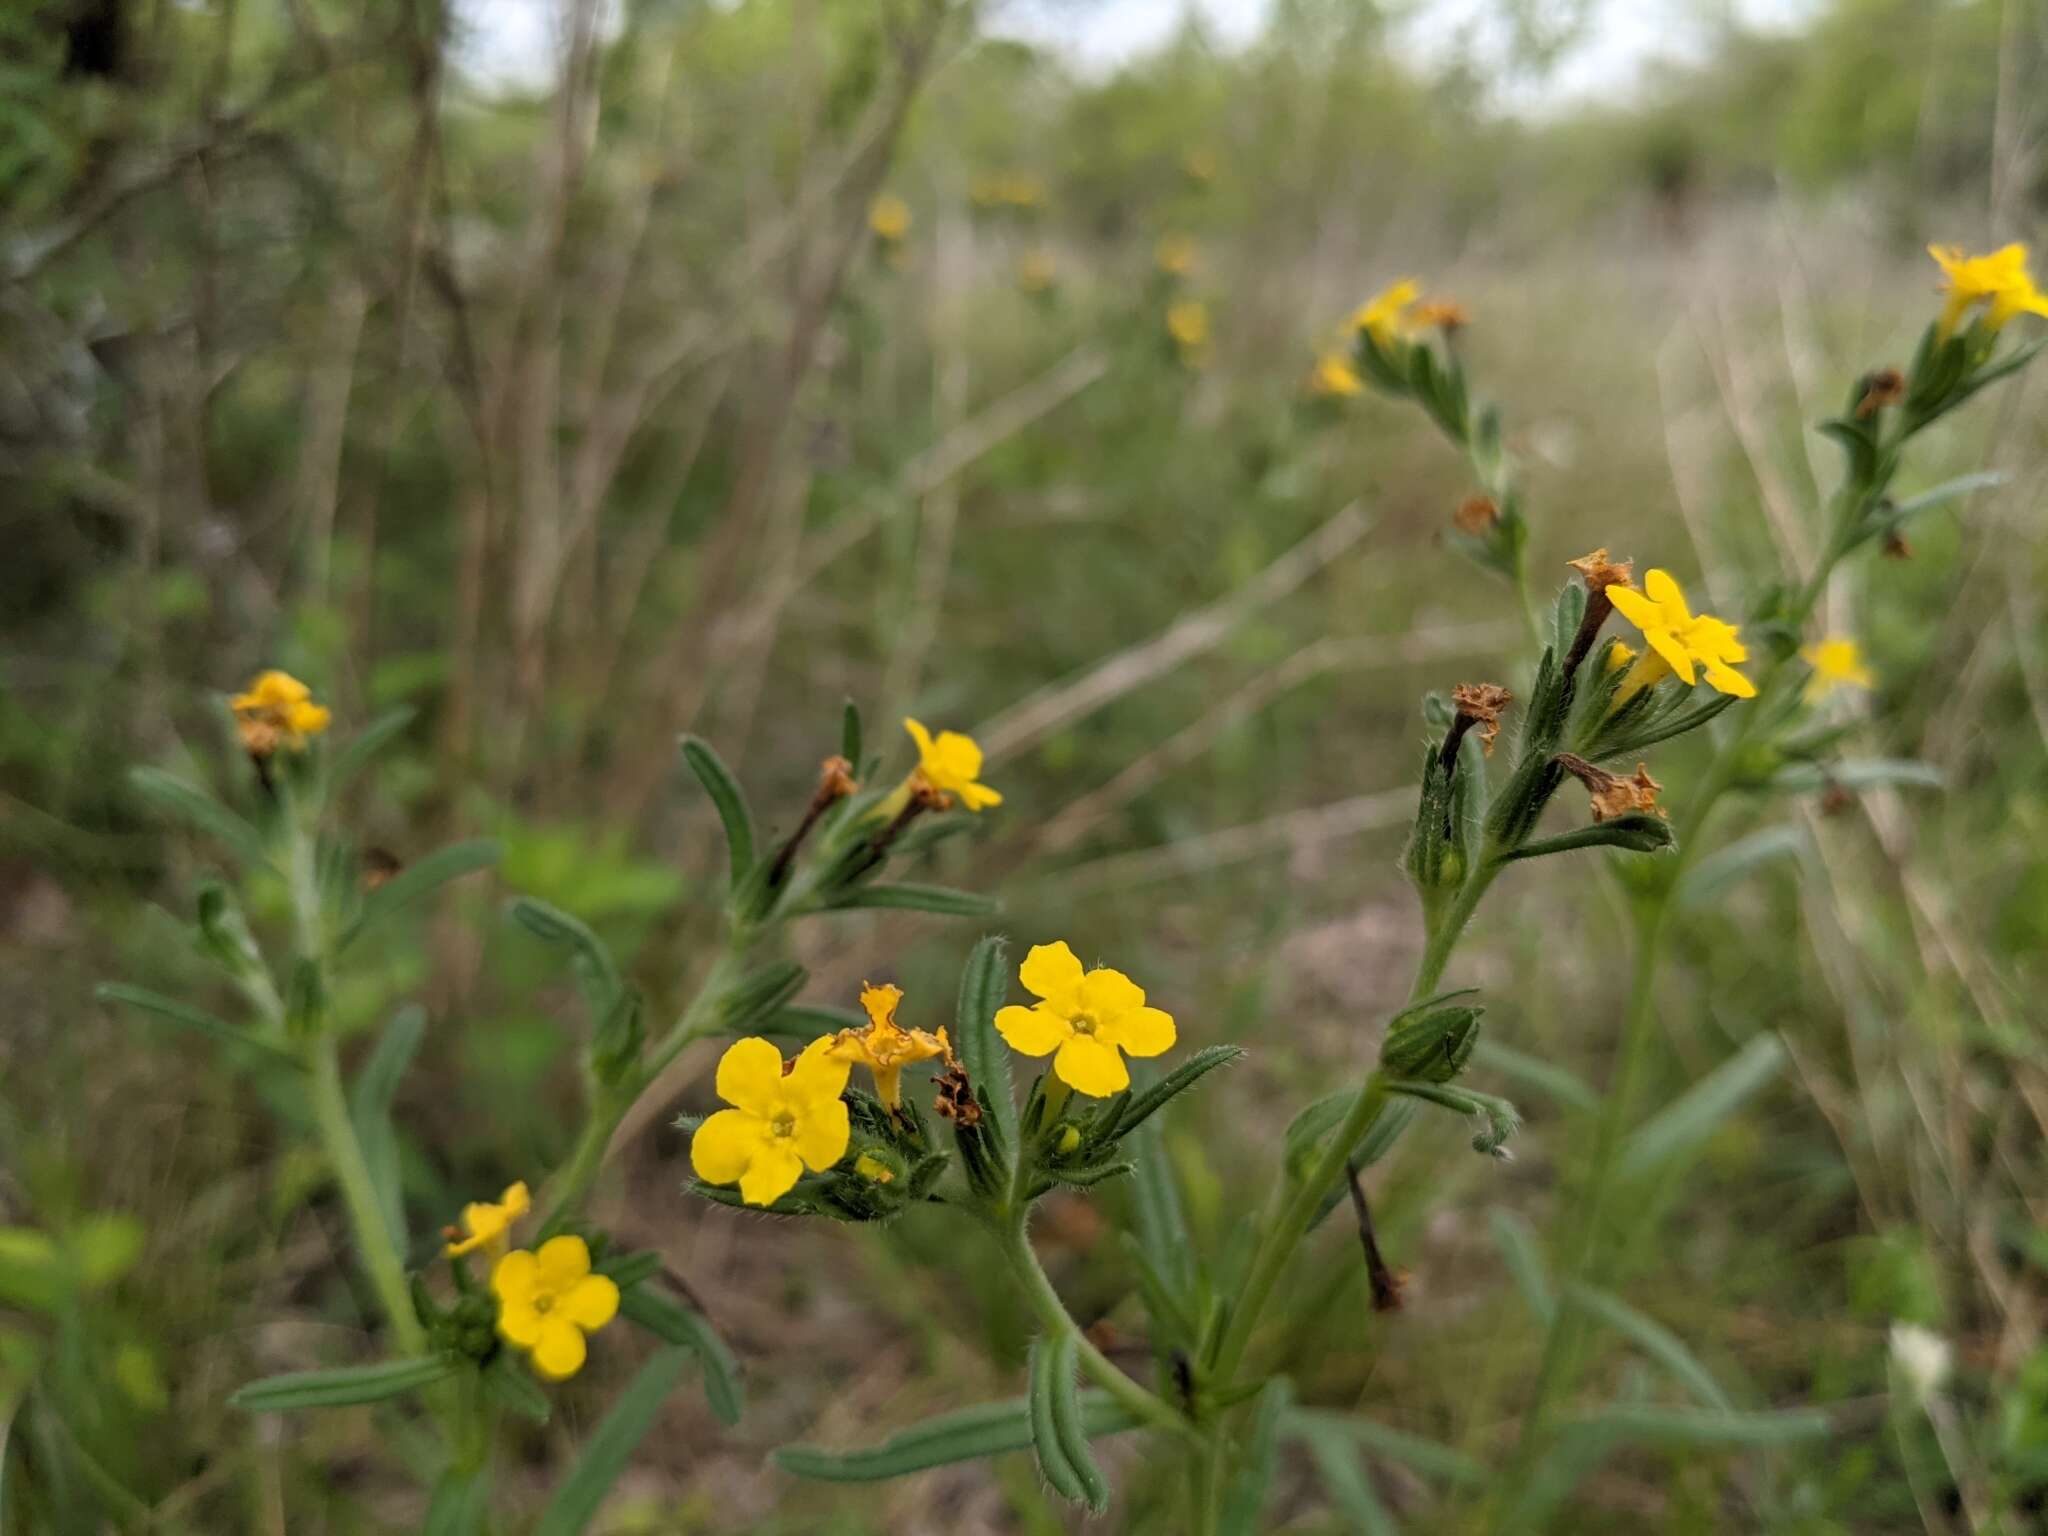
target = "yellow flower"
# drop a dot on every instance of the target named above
(1333, 377)
(883, 1047)
(1175, 255)
(278, 710)
(1188, 323)
(782, 1121)
(1036, 271)
(889, 217)
(1837, 661)
(873, 1169)
(1021, 190)
(1619, 655)
(1087, 1018)
(1385, 315)
(952, 766)
(1999, 281)
(490, 1226)
(1679, 641)
(548, 1300)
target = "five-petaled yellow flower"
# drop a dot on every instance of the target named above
(1837, 662)
(889, 217)
(489, 1226)
(1999, 281)
(1087, 1018)
(1679, 640)
(883, 1046)
(1175, 255)
(951, 764)
(548, 1300)
(278, 710)
(781, 1121)
(1334, 377)
(1385, 315)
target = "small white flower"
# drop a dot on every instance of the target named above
(1922, 1357)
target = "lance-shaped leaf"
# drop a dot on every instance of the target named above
(1247, 1496)
(983, 985)
(1412, 1451)
(370, 1099)
(1047, 1358)
(850, 735)
(342, 1386)
(195, 1019)
(1697, 1113)
(512, 1385)
(729, 800)
(1857, 773)
(667, 1318)
(905, 896)
(757, 994)
(1337, 1464)
(1714, 876)
(1143, 1105)
(345, 764)
(418, 880)
(595, 969)
(606, 1453)
(187, 802)
(966, 1435)
(1635, 832)
(1654, 1339)
(461, 1501)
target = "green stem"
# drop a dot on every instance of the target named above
(1145, 1406)
(359, 1192)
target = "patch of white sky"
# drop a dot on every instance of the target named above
(515, 42)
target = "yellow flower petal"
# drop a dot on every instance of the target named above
(818, 1076)
(1051, 971)
(562, 1262)
(1031, 1031)
(1109, 994)
(591, 1303)
(772, 1173)
(519, 1323)
(1141, 1032)
(1634, 607)
(1725, 679)
(919, 735)
(1088, 1065)
(1666, 594)
(822, 1134)
(559, 1352)
(750, 1075)
(1665, 644)
(515, 1277)
(725, 1144)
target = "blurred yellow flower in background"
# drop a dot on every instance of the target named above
(1037, 270)
(1083, 1020)
(1188, 323)
(889, 217)
(1679, 641)
(1333, 376)
(781, 1122)
(1837, 662)
(547, 1302)
(1384, 316)
(489, 1226)
(1175, 255)
(277, 710)
(1999, 281)
(883, 1046)
(1200, 164)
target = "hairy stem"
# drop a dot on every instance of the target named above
(374, 1242)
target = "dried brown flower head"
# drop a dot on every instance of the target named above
(1476, 516)
(955, 1098)
(1442, 314)
(1481, 704)
(1613, 795)
(1600, 573)
(1887, 386)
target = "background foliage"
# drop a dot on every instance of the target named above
(580, 416)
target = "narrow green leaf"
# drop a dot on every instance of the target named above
(1337, 1463)
(1857, 773)
(196, 808)
(1948, 490)
(460, 1503)
(1247, 1496)
(1714, 876)
(1698, 1112)
(810, 1020)
(760, 992)
(729, 800)
(907, 897)
(509, 1381)
(363, 746)
(667, 1318)
(849, 735)
(1043, 1360)
(1413, 1451)
(1649, 1424)
(1544, 1076)
(605, 1455)
(626, 1270)
(370, 1101)
(595, 968)
(1634, 832)
(417, 880)
(1655, 1340)
(341, 1386)
(187, 1017)
(1518, 1250)
(1177, 1082)
(985, 1430)
(983, 985)
(1160, 1232)
(1071, 1428)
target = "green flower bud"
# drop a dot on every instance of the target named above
(1432, 1046)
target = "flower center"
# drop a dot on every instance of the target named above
(783, 1124)
(1083, 1023)
(543, 1303)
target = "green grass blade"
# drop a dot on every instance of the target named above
(988, 1429)
(604, 1457)
(342, 1386)
(1655, 1340)
(667, 1318)
(1696, 1114)
(418, 880)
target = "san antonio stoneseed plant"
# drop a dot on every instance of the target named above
(1054, 1074)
